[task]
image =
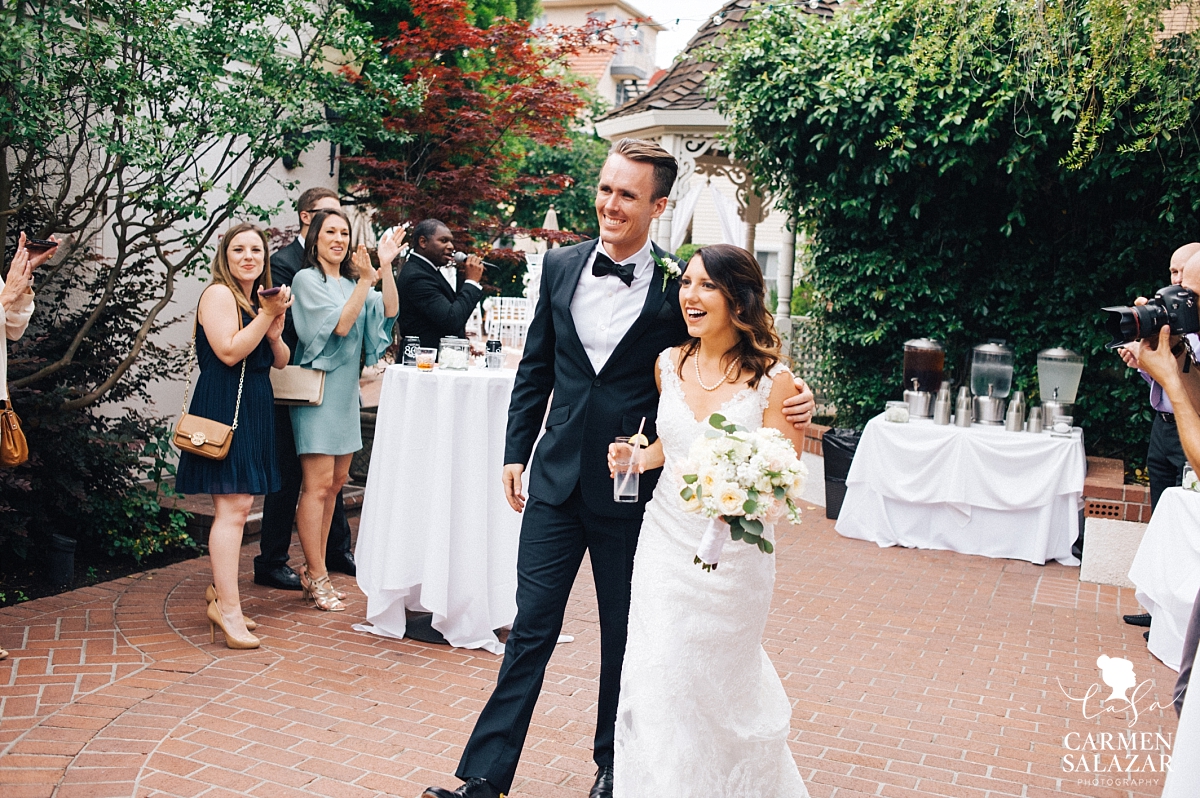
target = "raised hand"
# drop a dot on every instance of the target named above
(20, 275)
(362, 262)
(276, 305)
(275, 330)
(390, 244)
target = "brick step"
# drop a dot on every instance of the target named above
(1105, 494)
(202, 510)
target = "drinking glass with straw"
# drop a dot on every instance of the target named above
(628, 482)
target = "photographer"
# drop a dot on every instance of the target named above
(1165, 458)
(1163, 358)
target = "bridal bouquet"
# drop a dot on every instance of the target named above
(742, 478)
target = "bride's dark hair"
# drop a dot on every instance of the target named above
(739, 279)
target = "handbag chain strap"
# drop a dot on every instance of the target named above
(187, 388)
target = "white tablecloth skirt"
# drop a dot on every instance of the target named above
(437, 534)
(1166, 572)
(976, 490)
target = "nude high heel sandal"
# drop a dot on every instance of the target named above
(210, 595)
(215, 619)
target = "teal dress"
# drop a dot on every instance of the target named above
(333, 427)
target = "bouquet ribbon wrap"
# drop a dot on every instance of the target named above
(713, 541)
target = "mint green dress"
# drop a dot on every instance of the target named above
(333, 427)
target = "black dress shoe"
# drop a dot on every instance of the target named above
(1137, 620)
(473, 788)
(342, 563)
(603, 788)
(280, 577)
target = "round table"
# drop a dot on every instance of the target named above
(1166, 572)
(437, 534)
(975, 490)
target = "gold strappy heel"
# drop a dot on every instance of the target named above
(324, 596)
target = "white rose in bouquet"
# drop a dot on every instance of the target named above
(742, 478)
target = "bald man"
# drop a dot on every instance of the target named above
(1165, 458)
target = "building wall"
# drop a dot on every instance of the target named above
(313, 170)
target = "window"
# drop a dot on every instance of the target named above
(769, 261)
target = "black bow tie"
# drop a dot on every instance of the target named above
(604, 265)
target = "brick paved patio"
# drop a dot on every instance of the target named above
(912, 673)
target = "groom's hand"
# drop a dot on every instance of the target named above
(512, 485)
(799, 409)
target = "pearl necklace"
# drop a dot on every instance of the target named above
(724, 377)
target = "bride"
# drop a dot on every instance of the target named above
(702, 710)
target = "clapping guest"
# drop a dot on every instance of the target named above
(238, 339)
(339, 319)
(279, 508)
(16, 303)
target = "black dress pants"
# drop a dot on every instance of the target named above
(279, 508)
(553, 541)
(1165, 459)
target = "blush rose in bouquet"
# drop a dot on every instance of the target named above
(743, 478)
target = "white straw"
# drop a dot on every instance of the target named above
(637, 444)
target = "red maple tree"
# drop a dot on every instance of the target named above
(487, 92)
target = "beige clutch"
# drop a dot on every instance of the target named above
(296, 385)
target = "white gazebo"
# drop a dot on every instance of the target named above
(678, 113)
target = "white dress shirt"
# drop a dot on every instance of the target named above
(604, 308)
(449, 271)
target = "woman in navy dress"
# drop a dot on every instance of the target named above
(341, 322)
(236, 324)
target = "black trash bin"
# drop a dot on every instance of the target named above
(838, 446)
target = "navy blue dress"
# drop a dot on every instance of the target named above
(250, 466)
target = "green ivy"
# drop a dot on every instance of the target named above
(947, 189)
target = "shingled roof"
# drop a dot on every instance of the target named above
(682, 89)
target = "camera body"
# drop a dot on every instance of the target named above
(1173, 306)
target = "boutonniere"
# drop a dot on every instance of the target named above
(668, 268)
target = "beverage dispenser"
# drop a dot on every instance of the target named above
(1059, 372)
(924, 367)
(991, 380)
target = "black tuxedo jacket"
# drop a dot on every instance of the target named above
(589, 409)
(284, 265)
(429, 307)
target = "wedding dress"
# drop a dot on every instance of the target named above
(702, 711)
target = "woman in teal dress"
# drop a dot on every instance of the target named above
(339, 318)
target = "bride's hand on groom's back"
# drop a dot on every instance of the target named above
(798, 410)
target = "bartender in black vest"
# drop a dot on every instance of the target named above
(435, 298)
(279, 509)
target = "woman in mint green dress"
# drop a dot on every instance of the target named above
(339, 318)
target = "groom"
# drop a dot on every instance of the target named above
(601, 320)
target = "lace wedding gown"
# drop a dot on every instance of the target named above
(702, 711)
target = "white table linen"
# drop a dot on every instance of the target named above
(975, 490)
(437, 534)
(1166, 572)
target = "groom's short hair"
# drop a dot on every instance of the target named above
(665, 165)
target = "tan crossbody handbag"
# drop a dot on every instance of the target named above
(296, 385)
(203, 436)
(13, 448)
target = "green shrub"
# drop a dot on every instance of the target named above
(947, 190)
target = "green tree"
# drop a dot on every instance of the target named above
(147, 122)
(969, 171)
